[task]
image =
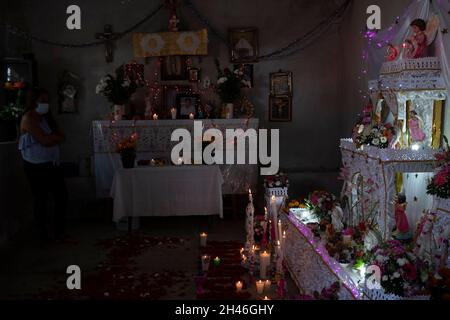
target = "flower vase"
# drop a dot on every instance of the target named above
(229, 108)
(128, 159)
(118, 112)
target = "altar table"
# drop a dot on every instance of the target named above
(154, 141)
(167, 191)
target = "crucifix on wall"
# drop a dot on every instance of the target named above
(108, 37)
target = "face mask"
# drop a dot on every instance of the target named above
(42, 108)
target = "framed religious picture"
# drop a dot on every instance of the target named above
(68, 93)
(280, 108)
(194, 75)
(169, 97)
(247, 69)
(281, 83)
(174, 68)
(243, 45)
(188, 105)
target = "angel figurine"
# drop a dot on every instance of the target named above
(415, 127)
(423, 36)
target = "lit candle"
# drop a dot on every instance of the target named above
(180, 161)
(280, 232)
(239, 285)
(260, 287)
(203, 239)
(155, 117)
(216, 261)
(250, 196)
(191, 116)
(173, 111)
(266, 298)
(153, 162)
(205, 262)
(267, 285)
(264, 261)
(266, 215)
(241, 251)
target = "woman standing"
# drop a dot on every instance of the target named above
(39, 144)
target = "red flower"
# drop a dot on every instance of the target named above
(410, 272)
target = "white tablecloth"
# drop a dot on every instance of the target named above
(167, 191)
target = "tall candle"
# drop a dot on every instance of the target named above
(280, 232)
(274, 213)
(203, 239)
(264, 261)
(266, 215)
(250, 196)
(173, 111)
(205, 262)
(239, 286)
(260, 287)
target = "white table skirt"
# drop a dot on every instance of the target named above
(167, 191)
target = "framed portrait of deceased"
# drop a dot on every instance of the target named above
(174, 68)
(281, 83)
(243, 44)
(280, 108)
(187, 104)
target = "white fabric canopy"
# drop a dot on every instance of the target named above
(167, 191)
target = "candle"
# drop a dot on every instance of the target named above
(216, 261)
(274, 214)
(153, 162)
(155, 117)
(250, 196)
(180, 161)
(260, 287)
(191, 116)
(203, 239)
(264, 261)
(205, 262)
(239, 285)
(267, 285)
(173, 111)
(266, 298)
(266, 215)
(280, 232)
(241, 251)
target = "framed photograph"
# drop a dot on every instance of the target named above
(280, 108)
(68, 93)
(174, 68)
(248, 72)
(194, 75)
(187, 104)
(281, 83)
(169, 97)
(243, 45)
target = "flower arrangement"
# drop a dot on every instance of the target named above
(230, 84)
(321, 203)
(127, 149)
(117, 89)
(377, 136)
(402, 273)
(440, 184)
(277, 181)
(10, 112)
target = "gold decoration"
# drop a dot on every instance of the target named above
(192, 43)
(398, 182)
(437, 124)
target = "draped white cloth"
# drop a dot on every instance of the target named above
(167, 191)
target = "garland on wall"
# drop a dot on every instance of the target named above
(295, 46)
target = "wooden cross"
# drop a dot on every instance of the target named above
(108, 36)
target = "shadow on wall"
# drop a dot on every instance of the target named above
(301, 184)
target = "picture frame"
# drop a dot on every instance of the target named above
(281, 83)
(187, 104)
(244, 45)
(280, 108)
(174, 68)
(169, 97)
(248, 72)
(194, 74)
(68, 93)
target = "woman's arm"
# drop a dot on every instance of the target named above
(31, 125)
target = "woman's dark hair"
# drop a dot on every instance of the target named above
(32, 97)
(401, 198)
(419, 23)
